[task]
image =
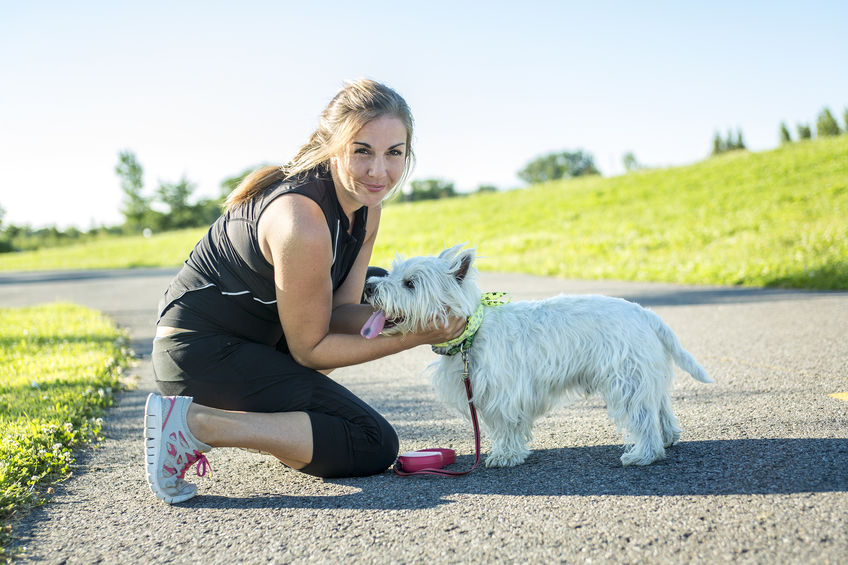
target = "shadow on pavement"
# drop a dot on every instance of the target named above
(699, 468)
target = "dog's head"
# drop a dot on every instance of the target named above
(421, 292)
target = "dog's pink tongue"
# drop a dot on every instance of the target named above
(374, 325)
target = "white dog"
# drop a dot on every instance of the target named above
(527, 355)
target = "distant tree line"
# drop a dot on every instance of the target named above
(26, 238)
(730, 143)
(169, 207)
(556, 166)
(826, 126)
(427, 189)
(435, 189)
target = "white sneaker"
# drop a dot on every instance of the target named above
(170, 448)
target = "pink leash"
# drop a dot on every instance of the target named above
(430, 461)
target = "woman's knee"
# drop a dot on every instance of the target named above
(351, 449)
(388, 448)
(378, 446)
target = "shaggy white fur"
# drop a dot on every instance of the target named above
(528, 355)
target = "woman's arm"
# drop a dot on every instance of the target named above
(293, 235)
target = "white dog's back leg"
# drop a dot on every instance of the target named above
(643, 429)
(668, 423)
(634, 405)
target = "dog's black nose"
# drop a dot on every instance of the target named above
(371, 273)
(368, 292)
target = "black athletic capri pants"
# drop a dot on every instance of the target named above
(223, 371)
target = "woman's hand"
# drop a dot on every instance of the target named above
(452, 329)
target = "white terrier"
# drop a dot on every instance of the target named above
(527, 355)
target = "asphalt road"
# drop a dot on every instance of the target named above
(760, 475)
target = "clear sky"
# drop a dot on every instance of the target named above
(205, 89)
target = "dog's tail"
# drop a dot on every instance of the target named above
(682, 357)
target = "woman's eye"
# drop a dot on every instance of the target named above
(409, 283)
(362, 151)
(396, 153)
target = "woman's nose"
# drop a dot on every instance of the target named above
(377, 167)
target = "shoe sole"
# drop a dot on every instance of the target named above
(152, 441)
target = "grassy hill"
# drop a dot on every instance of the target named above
(775, 218)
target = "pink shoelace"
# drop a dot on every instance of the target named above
(188, 457)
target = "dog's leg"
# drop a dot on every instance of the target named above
(643, 427)
(509, 443)
(668, 423)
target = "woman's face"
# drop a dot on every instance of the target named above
(371, 164)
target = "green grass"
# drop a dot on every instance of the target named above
(776, 218)
(59, 366)
(116, 252)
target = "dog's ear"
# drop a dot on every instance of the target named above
(399, 258)
(451, 252)
(465, 259)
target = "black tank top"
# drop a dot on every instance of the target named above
(227, 285)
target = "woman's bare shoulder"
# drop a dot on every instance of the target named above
(292, 220)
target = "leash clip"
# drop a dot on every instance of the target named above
(466, 374)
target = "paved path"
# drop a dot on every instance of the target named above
(761, 474)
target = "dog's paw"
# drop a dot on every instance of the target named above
(634, 457)
(503, 459)
(668, 441)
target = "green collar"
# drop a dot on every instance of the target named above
(464, 341)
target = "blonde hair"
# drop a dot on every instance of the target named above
(359, 102)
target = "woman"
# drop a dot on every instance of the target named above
(269, 301)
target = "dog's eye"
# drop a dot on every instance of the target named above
(409, 283)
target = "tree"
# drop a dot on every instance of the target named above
(229, 184)
(5, 240)
(182, 214)
(845, 118)
(136, 206)
(630, 162)
(175, 196)
(730, 144)
(718, 144)
(740, 143)
(487, 188)
(558, 165)
(784, 134)
(804, 132)
(826, 125)
(429, 189)
(206, 211)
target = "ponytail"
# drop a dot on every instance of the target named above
(254, 184)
